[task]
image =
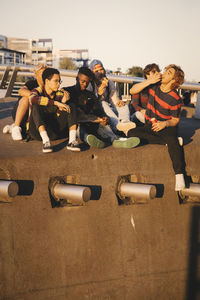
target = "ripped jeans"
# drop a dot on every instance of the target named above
(116, 114)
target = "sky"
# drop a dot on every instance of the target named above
(121, 33)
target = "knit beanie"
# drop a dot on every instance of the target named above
(95, 64)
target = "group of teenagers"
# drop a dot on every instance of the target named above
(91, 111)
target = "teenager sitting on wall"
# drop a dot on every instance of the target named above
(51, 118)
(163, 115)
(94, 124)
(20, 110)
(139, 101)
(117, 111)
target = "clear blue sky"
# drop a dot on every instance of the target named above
(121, 33)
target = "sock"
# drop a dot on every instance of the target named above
(72, 136)
(44, 137)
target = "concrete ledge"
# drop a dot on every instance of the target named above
(101, 250)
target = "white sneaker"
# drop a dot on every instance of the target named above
(46, 147)
(180, 182)
(8, 128)
(125, 126)
(73, 146)
(16, 133)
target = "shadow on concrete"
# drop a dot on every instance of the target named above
(62, 145)
(187, 111)
(96, 191)
(5, 114)
(159, 190)
(193, 278)
(6, 109)
(26, 187)
(187, 129)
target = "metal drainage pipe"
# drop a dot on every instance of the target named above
(8, 188)
(138, 191)
(72, 192)
(193, 190)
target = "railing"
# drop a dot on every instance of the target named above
(28, 71)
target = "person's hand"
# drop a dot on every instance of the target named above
(120, 103)
(65, 97)
(104, 121)
(159, 125)
(62, 106)
(104, 82)
(102, 86)
(154, 78)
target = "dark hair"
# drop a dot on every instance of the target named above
(48, 73)
(150, 68)
(178, 76)
(87, 72)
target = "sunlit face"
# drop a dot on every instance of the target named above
(98, 69)
(168, 76)
(152, 73)
(83, 81)
(54, 83)
(38, 76)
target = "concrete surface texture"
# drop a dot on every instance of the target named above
(101, 250)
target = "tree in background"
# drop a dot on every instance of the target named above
(67, 63)
(135, 71)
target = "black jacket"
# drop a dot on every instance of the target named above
(87, 105)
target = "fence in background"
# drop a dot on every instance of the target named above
(9, 84)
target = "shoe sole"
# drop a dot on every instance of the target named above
(6, 129)
(125, 126)
(17, 139)
(47, 150)
(74, 149)
(93, 141)
(128, 144)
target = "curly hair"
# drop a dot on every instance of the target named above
(178, 76)
(87, 72)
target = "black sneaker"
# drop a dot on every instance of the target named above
(74, 146)
(47, 147)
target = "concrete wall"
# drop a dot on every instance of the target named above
(101, 250)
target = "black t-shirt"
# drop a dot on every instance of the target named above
(30, 84)
(87, 105)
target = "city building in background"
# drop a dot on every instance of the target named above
(37, 50)
(42, 51)
(14, 51)
(79, 57)
(10, 56)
